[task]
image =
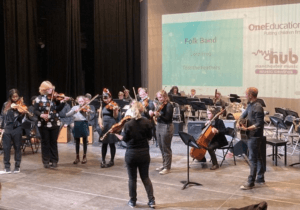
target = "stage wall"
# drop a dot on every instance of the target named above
(226, 45)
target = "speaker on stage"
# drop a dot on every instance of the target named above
(178, 126)
(195, 128)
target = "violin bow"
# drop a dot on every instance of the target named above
(88, 102)
(134, 93)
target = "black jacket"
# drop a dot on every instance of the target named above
(219, 137)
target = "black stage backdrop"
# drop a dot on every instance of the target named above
(117, 45)
(43, 41)
(20, 21)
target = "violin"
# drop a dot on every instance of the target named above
(158, 110)
(21, 107)
(58, 96)
(116, 128)
(111, 105)
(145, 102)
(86, 108)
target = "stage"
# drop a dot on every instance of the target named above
(90, 187)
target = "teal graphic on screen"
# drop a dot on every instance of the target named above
(204, 53)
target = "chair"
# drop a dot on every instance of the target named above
(176, 112)
(31, 138)
(231, 133)
(289, 122)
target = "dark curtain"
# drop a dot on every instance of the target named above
(117, 45)
(20, 24)
(75, 77)
(2, 58)
(61, 31)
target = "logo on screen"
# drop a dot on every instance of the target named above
(278, 57)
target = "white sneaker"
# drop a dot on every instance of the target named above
(5, 171)
(159, 168)
(165, 171)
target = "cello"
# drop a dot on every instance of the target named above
(205, 137)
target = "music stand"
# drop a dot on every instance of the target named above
(293, 113)
(232, 100)
(188, 140)
(198, 106)
(207, 101)
(121, 102)
(181, 100)
(278, 123)
(281, 111)
(189, 100)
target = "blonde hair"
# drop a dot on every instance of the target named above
(46, 85)
(213, 110)
(164, 94)
(137, 108)
(76, 100)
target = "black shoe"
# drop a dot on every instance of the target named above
(247, 186)
(46, 165)
(54, 165)
(202, 161)
(110, 163)
(260, 181)
(151, 203)
(103, 164)
(132, 204)
(214, 167)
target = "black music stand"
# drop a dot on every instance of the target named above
(207, 101)
(293, 113)
(281, 111)
(198, 106)
(189, 100)
(278, 123)
(121, 102)
(188, 140)
(181, 100)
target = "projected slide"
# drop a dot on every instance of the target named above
(232, 50)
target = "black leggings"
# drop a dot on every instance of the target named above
(112, 151)
(84, 140)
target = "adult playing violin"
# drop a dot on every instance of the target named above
(164, 129)
(110, 113)
(47, 109)
(11, 121)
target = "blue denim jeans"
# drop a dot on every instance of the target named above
(257, 168)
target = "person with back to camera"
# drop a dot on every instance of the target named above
(136, 134)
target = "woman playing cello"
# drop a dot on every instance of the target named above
(219, 139)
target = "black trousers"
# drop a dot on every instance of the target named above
(49, 144)
(15, 136)
(138, 159)
(211, 150)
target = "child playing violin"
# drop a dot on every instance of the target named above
(81, 115)
(110, 115)
(12, 114)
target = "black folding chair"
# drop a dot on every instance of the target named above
(231, 133)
